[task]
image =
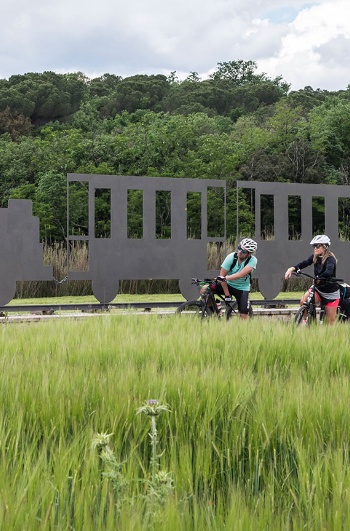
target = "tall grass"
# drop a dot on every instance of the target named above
(257, 437)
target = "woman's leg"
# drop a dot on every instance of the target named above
(305, 297)
(331, 311)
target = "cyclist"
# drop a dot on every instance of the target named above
(325, 264)
(235, 275)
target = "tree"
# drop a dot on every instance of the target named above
(330, 132)
(14, 123)
(139, 92)
(238, 72)
(193, 77)
(43, 97)
(104, 85)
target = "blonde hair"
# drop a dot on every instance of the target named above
(325, 255)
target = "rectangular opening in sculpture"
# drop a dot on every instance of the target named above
(135, 214)
(78, 208)
(244, 213)
(344, 218)
(163, 214)
(267, 217)
(294, 217)
(102, 213)
(318, 215)
(216, 219)
(194, 215)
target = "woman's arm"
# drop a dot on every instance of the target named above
(301, 265)
(328, 268)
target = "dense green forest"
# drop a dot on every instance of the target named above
(235, 125)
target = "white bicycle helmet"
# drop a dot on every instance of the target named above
(249, 245)
(321, 238)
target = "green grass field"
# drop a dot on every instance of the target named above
(257, 436)
(125, 298)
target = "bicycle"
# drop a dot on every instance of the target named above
(210, 303)
(307, 314)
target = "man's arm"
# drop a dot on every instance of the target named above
(243, 273)
(223, 273)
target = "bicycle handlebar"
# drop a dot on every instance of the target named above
(199, 280)
(300, 273)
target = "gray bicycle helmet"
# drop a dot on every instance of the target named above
(249, 245)
(322, 239)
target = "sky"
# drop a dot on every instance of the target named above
(306, 43)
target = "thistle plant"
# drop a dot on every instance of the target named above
(161, 482)
(112, 467)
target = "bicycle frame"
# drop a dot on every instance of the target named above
(308, 308)
(307, 311)
(209, 299)
(207, 303)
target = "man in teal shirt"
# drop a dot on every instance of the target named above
(235, 275)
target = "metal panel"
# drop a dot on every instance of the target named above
(276, 255)
(22, 252)
(119, 257)
(177, 257)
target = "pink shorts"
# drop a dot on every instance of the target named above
(331, 304)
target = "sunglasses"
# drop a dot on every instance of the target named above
(242, 250)
(317, 245)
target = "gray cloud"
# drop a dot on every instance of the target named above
(153, 36)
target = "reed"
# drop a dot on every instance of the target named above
(256, 436)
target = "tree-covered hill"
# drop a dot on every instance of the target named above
(235, 125)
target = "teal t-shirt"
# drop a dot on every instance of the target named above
(242, 283)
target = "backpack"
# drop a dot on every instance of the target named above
(344, 291)
(344, 301)
(234, 262)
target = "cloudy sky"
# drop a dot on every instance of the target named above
(308, 44)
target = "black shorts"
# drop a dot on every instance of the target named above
(242, 298)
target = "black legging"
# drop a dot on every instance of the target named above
(242, 298)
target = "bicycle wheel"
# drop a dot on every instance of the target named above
(305, 315)
(194, 309)
(299, 316)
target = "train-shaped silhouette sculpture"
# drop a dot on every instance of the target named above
(118, 256)
(21, 250)
(279, 250)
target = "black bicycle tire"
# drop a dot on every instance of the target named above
(299, 316)
(194, 309)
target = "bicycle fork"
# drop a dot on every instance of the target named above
(322, 314)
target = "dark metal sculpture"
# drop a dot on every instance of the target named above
(118, 256)
(277, 251)
(179, 255)
(21, 250)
